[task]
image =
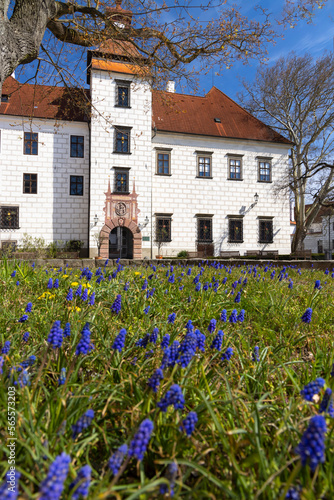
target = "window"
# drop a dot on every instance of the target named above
(235, 169)
(122, 140)
(123, 93)
(320, 247)
(76, 185)
(9, 218)
(204, 165)
(121, 180)
(265, 231)
(163, 162)
(30, 183)
(235, 230)
(5, 98)
(30, 143)
(264, 170)
(204, 230)
(163, 228)
(77, 146)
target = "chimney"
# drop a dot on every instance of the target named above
(170, 87)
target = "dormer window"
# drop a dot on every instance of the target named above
(5, 98)
(122, 93)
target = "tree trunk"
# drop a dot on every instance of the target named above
(22, 34)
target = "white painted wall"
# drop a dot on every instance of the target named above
(51, 213)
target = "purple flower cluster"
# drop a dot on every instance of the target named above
(28, 307)
(154, 335)
(171, 318)
(307, 316)
(227, 355)
(223, 316)
(154, 381)
(9, 489)
(141, 439)
(171, 474)
(217, 341)
(212, 326)
(23, 318)
(255, 355)
(119, 341)
(312, 389)
(165, 341)
(85, 345)
(83, 479)
(326, 405)
(312, 445)
(6, 347)
(173, 397)
(26, 336)
(188, 424)
(29, 362)
(83, 422)
(117, 458)
(55, 338)
(293, 493)
(67, 330)
(69, 295)
(117, 305)
(233, 317)
(52, 486)
(62, 377)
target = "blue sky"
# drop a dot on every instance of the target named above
(312, 38)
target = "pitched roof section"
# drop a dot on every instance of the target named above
(214, 115)
(43, 101)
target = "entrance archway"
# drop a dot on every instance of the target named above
(120, 243)
(126, 238)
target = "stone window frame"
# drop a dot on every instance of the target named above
(234, 157)
(231, 220)
(164, 151)
(16, 213)
(77, 144)
(265, 160)
(126, 131)
(29, 143)
(122, 84)
(203, 155)
(204, 218)
(28, 185)
(83, 185)
(167, 218)
(122, 170)
(262, 221)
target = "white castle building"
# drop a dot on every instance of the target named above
(143, 167)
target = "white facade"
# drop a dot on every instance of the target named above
(182, 196)
(51, 213)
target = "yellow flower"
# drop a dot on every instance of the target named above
(137, 273)
(65, 276)
(74, 283)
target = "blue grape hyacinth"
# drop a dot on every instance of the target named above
(62, 377)
(223, 316)
(9, 489)
(23, 318)
(233, 317)
(326, 405)
(25, 336)
(188, 424)
(171, 474)
(117, 458)
(171, 318)
(6, 347)
(85, 346)
(83, 422)
(312, 445)
(173, 397)
(307, 316)
(117, 305)
(255, 355)
(52, 486)
(212, 326)
(312, 389)
(55, 338)
(165, 341)
(217, 341)
(141, 439)
(28, 307)
(293, 493)
(69, 295)
(154, 381)
(227, 355)
(119, 341)
(84, 478)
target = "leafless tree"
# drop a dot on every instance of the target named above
(169, 35)
(296, 96)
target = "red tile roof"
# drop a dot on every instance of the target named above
(187, 114)
(43, 101)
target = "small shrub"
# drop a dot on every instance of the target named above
(183, 254)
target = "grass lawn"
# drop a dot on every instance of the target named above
(166, 381)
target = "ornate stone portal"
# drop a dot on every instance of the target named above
(121, 210)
